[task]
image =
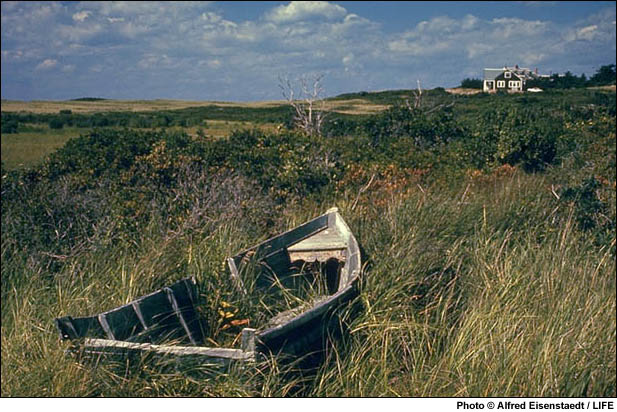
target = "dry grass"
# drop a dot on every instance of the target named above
(50, 106)
(352, 106)
(223, 128)
(609, 88)
(464, 91)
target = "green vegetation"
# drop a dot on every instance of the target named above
(193, 116)
(603, 77)
(488, 225)
(471, 83)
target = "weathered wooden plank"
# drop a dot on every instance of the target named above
(318, 255)
(327, 239)
(103, 347)
(324, 238)
(278, 261)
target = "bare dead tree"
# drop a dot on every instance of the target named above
(417, 95)
(308, 103)
(417, 104)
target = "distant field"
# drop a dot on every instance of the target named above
(28, 148)
(80, 106)
(351, 106)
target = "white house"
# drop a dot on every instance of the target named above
(507, 79)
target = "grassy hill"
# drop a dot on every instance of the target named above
(488, 225)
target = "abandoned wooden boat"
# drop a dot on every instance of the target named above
(166, 322)
(326, 239)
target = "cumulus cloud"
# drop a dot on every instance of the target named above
(82, 15)
(588, 32)
(476, 38)
(46, 64)
(68, 68)
(513, 28)
(149, 61)
(302, 10)
(79, 33)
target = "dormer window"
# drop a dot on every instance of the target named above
(507, 75)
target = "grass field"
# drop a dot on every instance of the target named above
(29, 148)
(353, 106)
(479, 281)
(456, 303)
(26, 149)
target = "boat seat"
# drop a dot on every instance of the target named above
(323, 245)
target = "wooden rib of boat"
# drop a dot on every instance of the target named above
(166, 322)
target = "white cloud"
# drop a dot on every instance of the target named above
(150, 61)
(82, 15)
(515, 28)
(131, 29)
(12, 55)
(479, 49)
(469, 22)
(530, 58)
(588, 33)
(46, 64)
(477, 38)
(79, 33)
(212, 64)
(302, 10)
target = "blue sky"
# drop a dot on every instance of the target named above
(236, 51)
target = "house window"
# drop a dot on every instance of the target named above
(514, 84)
(507, 75)
(501, 83)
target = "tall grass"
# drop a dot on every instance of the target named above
(485, 288)
(457, 305)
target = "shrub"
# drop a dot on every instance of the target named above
(472, 83)
(56, 123)
(9, 126)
